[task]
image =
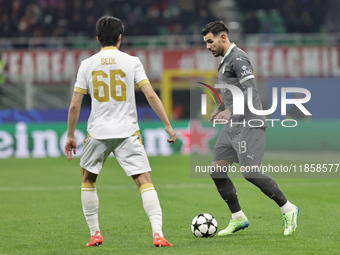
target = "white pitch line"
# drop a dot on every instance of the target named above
(166, 186)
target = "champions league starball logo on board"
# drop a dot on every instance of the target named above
(239, 102)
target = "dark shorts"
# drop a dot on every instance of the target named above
(246, 147)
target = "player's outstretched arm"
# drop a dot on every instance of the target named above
(157, 106)
(73, 116)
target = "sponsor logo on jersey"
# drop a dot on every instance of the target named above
(246, 72)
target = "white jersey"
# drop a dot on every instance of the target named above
(110, 77)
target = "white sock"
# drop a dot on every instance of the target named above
(287, 207)
(238, 215)
(90, 202)
(152, 207)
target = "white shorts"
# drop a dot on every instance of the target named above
(129, 152)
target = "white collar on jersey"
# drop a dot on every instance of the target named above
(109, 48)
(228, 51)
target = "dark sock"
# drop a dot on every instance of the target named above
(227, 191)
(266, 184)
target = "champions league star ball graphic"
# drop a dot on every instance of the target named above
(204, 225)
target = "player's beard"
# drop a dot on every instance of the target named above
(219, 51)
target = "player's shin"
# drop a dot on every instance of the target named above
(227, 191)
(90, 203)
(266, 184)
(152, 207)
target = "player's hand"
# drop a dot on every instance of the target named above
(172, 134)
(70, 146)
(213, 115)
(225, 115)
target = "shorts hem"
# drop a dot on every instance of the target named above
(90, 170)
(253, 164)
(139, 172)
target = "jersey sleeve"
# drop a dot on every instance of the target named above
(244, 72)
(243, 69)
(140, 76)
(81, 85)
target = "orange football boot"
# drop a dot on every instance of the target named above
(160, 241)
(96, 240)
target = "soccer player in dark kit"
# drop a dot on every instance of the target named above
(241, 143)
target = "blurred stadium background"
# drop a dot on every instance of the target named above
(292, 43)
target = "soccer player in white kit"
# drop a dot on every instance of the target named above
(109, 77)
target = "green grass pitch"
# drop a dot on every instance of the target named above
(40, 211)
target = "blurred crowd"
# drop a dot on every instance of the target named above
(56, 18)
(283, 16)
(60, 18)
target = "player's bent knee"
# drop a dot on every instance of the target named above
(141, 179)
(220, 163)
(219, 169)
(88, 177)
(249, 168)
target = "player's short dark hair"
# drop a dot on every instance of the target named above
(215, 28)
(108, 30)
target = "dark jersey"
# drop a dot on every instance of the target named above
(236, 70)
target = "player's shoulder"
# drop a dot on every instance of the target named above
(238, 54)
(127, 55)
(239, 58)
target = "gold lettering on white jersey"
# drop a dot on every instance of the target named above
(108, 61)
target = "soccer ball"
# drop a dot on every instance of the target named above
(204, 225)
